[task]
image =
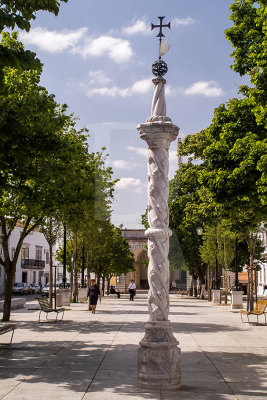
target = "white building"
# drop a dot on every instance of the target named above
(33, 260)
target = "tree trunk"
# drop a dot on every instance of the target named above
(8, 290)
(50, 274)
(75, 277)
(209, 285)
(251, 296)
(71, 281)
(103, 285)
(108, 285)
(98, 279)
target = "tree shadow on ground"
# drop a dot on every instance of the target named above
(74, 366)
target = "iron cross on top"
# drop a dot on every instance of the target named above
(160, 26)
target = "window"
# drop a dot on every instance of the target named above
(38, 252)
(25, 253)
(13, 252)
(47, 257)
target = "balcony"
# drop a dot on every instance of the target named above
(31, 263)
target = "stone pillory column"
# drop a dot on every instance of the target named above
(158, 354)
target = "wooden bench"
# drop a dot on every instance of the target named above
(258, 310)
(45, 307)
(4, 328)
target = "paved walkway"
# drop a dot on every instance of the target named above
(94, 357)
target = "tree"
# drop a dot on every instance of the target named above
(16, 13)
(107, 253)
(249, 40)
(51, 229)
(187, 213)
(41, 152)
(233, 149)
(111, 254)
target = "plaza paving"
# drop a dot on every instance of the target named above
(94, 357)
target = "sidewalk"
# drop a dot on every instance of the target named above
(94, 357)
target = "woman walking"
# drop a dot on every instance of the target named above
(93, 293)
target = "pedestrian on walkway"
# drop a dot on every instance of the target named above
(93, 293)
(132, 289)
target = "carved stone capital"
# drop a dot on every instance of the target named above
(158, 134)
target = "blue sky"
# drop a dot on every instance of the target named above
(97, 58)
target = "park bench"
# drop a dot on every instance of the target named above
(258, 310)
(4, 328)
(45, 307)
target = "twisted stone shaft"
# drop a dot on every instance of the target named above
(158, 107)
(158, 132)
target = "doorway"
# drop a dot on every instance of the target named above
(24, 277)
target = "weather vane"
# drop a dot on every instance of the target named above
(159, 68)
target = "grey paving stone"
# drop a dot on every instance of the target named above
(221, 358)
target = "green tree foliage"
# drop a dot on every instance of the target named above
(249, 40)
(233, 149)
(111, 254)
(18, 14)
(45, 168)
(107, 253)
(186, 215)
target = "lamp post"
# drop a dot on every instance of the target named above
(236, 265)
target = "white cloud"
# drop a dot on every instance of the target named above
(176, 22)
(53, 41)
(78, 42)
(119, 50)
(98, 77)
(144, 86)
(124, 164)
(205, 88)
(107, 91)
(173, 155)
(141, 151)
(125, 183)
(139, 26)
(170, 90)
(140, 87)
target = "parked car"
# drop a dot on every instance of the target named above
(67, 285)
(20, 288)
(31, 287)
(45, 290)
(37, 288)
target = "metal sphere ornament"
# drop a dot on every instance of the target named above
(159, 68)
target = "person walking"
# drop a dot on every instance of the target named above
(93, 293)
(132, 289)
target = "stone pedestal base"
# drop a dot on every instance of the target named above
(236, 300)
(159, 358)
(216, 296)
(65, 296)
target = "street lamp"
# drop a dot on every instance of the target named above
(199, 231)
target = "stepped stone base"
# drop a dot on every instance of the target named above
(159, 358)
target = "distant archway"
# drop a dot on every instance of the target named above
(138, 245)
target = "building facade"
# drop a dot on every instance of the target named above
(262, 274)
(33, 261)
(138, 245)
